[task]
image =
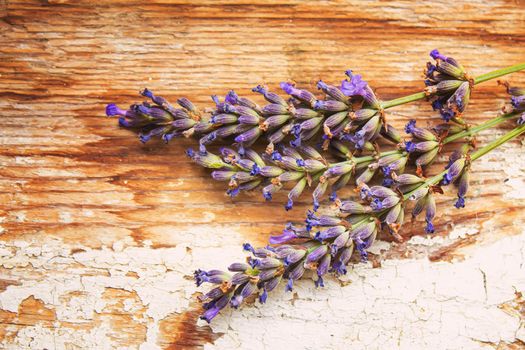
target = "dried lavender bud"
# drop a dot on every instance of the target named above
(463, 183)
(517, 102)
(419, 133)
(448, 86)
(454, 171)
(333, 92)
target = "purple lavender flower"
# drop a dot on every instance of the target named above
(355, 86)
(517, 102)
(448, 86)
(454, 171)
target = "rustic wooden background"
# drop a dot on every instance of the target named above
(99, 234)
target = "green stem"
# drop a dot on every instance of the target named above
(467, 133)
(474, 130)
(402, 100)
(496, 143)
(499, 73)
(477, 80)
(474, 156)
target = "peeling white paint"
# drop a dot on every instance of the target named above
(405, 304)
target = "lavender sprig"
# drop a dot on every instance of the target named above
(303, 166)
(325, 243)
(351, 112)
(302, 115)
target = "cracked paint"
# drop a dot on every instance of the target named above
(405, 304)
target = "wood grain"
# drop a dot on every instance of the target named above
(76, 190)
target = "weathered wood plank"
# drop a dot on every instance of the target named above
(99, 234)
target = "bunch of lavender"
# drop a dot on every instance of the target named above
(325, 243)
(351, 112)
(304, 166)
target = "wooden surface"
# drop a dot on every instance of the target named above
(100, 234)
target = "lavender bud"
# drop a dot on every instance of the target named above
(447, 86)
(406, 179)
(330, 106)
(249, 119)
(271, 171)
(390, 133)
(351, 207)
(274, 109)
(332, 91)
(450, 69)
(311, 123)
(269, 190)
(238, 267)
(266, 275)
(425, 146)
(289, 163)
(276, 120)
(419, 133)
(463, 184)
(297, 272)
(339, 169)
(271, 284)
(317, 253)
(294, 256)
(367, 174)
(223, 119)
(269, 263)
(222, 175)
(364, 231)
(335, 119)
(254, 157)
(302, 95)
(340, 241)
(285, 237)
(185, 103)
(305, 113)
(290, 176)
(427, 158)
(330, 233)
(310, 152)
(419, 193)
(382, 192)
(322, 268)
(207, 160)
(230, 130)
(363, 114)
(240, 278)
(393, 214)
(249, 136)
(291, 152)
(313, 166)
(453, 171)
(269, 96)
(249, 289)
(295, 192)
(385, 160)
(388, 202)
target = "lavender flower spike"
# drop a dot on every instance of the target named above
(448, 86)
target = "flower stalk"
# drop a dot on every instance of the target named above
(304, 166)
(350, 113)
